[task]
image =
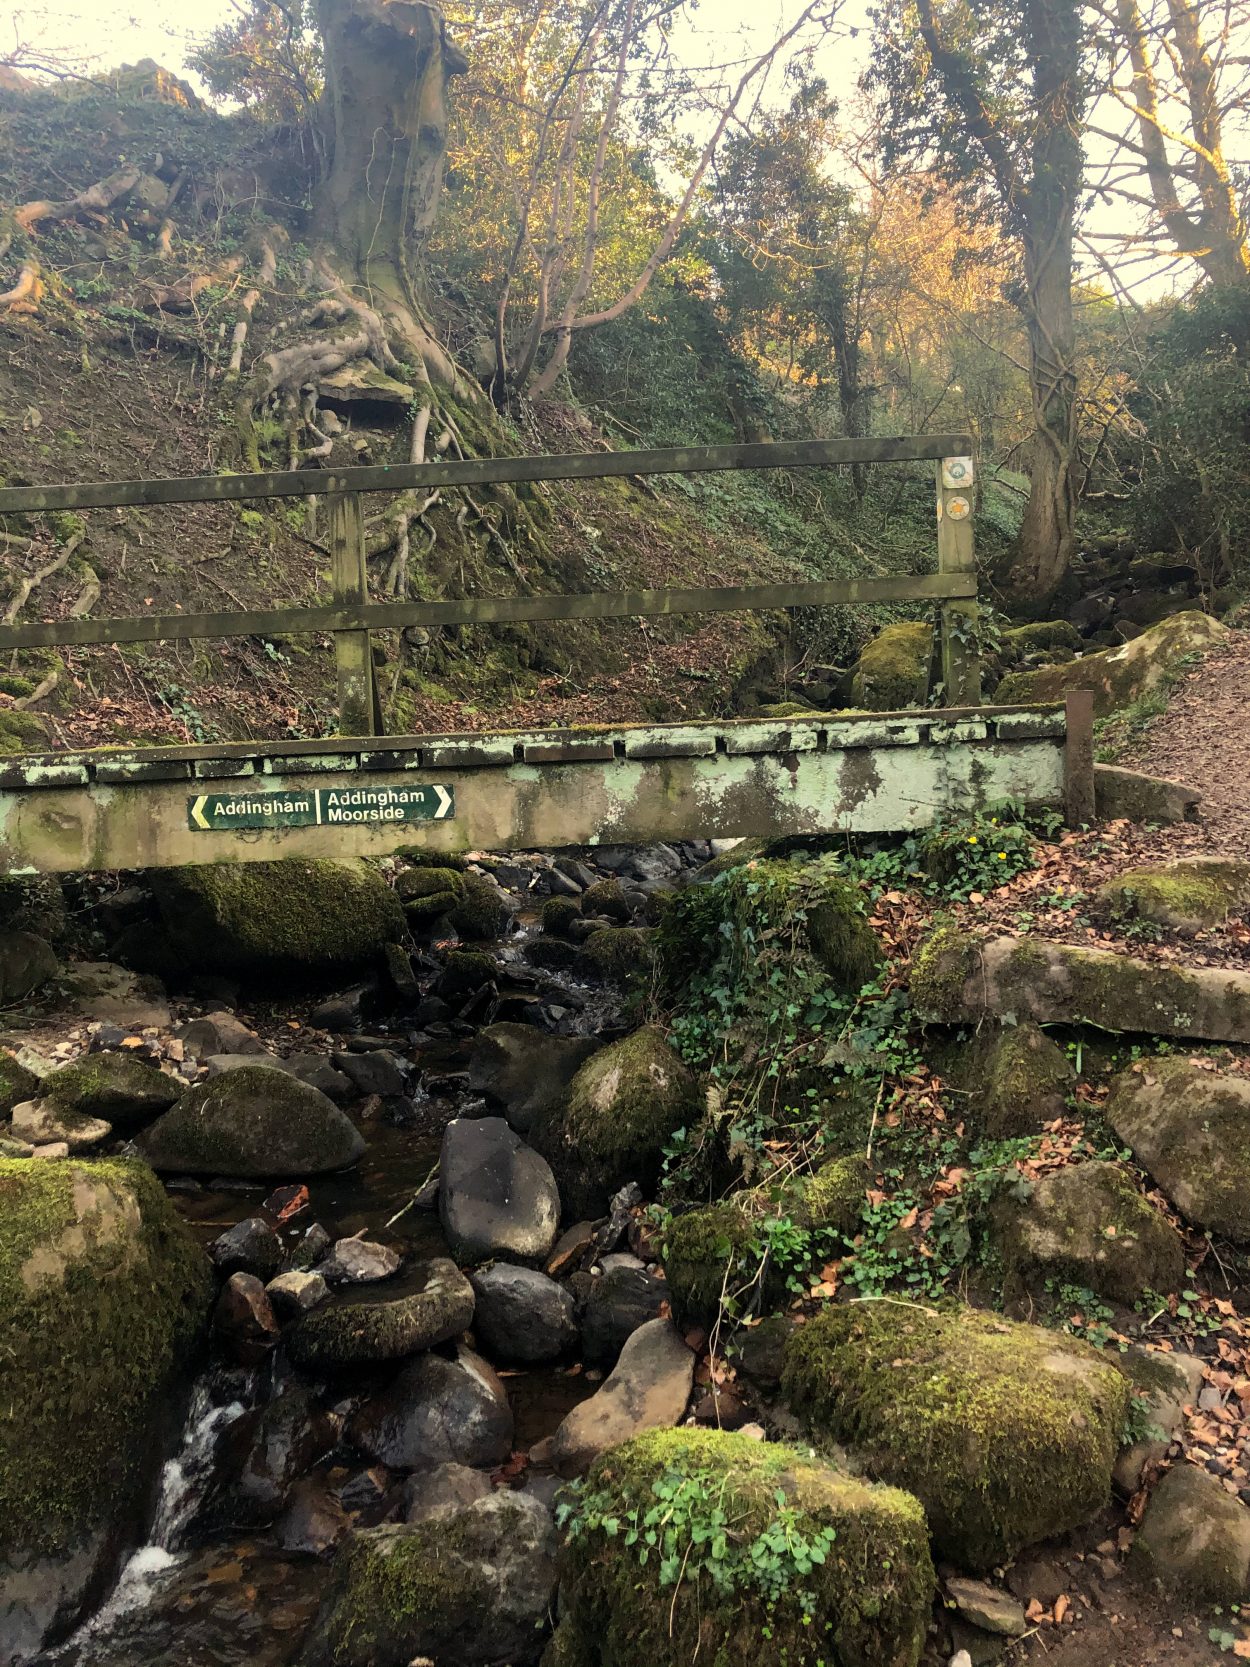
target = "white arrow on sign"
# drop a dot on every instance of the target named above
(444, 802)
(197, 812)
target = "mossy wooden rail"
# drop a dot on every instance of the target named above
(358, 794)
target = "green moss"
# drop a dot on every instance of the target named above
(606, 897)
(867, 1603)
(429, 881)
(17, 687)
(559, 913)
(465, 972)
(1119, 676)
(1020, 641)
(481, 910)
(101, 1294)
(940, 967)
(746, 851)
(1017, 1081)
(708, 1254)
(1185, 896)
(19, 730)
(786, 709)
(1006, 1433)
(893, 670)
(16, 1083)
(278, 916)
(621, 954)
(832, 1199)
(116, 1086)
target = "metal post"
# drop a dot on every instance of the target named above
(961, 661)
(352, 651)
(1078, 758)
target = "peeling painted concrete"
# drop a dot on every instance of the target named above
(540, 789)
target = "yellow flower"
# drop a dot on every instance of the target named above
(972, 839)
(1002, 856)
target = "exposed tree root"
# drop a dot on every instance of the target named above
(27, 292)
(265, 277)
(96, 199)
(30, 583)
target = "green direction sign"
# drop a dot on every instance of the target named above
(317, 807)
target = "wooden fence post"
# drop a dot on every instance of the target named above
(1078, 758)
(961, 660)
(357, 690)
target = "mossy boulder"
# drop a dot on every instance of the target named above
(1088, 1225)
(124, 1091)
(1043, 638)
(606, 897)
(21, 732)
(744, 852)
(558, 915)
(295, 916)
(428, 894)
(960, 979)
(102, 1294)
(1018, 1080)
(27, 963)
(1194, 1540)
(1186, 897)
(1119, 676)
(622, 1109)
(831, 1198)
(1189, 1128)
(254, 1123)
(16, 1083)
(893, 670)
(468, 1587)
(361, 1333)
(481, 911)
(1006, 1433)
(620, 954)
(865, 1604)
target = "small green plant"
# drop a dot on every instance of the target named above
(1081, 1313)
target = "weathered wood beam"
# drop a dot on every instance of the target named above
(486, 610)
(480, 471)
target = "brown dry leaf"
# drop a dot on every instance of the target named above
(1061, 1607)
(1035, 1611)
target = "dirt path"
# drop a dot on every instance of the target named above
(1203, 739)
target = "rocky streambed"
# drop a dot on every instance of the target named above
(328, 1259)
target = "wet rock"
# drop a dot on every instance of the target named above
(125, 1091)
(264, 1452)
(1194, 1540)
(45, 1123)
(293, 1294)
(437, 1412)
(314, 1522)
(27, 963)
(1088, 1225)
(447, 1488)
(481, 912)
(364, 1491)
(1190, 1129)
(359, 1262)
(379, 1072)
(957, 979)
(341, 1013)
(525, 1071)
(244, 1323)
(218, 1033)
(902, 1387)
(252, 1122)
(103, 1294)
(618, 1302)
(987, 1607)
(720, 1408)
(250, 1246)
(522, 1316)
(607, 898)
(466, 1589)
(399, 970)
(868, 1602)
(570, 1250)
(428, 893)
(351, 1334)
(317, 1072)
(291, 916)
(311, 1247)
(1164, 1385)
(16, 1083)
(648, 1390)
(497, 1197)
(622, 1109)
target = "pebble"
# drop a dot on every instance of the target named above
(359, 1262)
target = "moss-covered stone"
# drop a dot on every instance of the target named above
(1087, 1225)
(465, 972)
(102, 1293)
(481, 910)
(430, 881)
(291, 916)
(867, 1604)
(606, 897)
(252, 1122)
(1194, 1541)
(21, 732)
(1119, 676)
(621, 954)
(1006, 1433)
(1018, 1080)
(1042, 637)
(559, 913)
(786, 709)
(1190, 1129)
(711, 1253)
(1187, 897)
(27, 963)
(125, 1091)
(622, 1109)
(831, 1199)
(744, 852)
(16, 1083)
(893, 670)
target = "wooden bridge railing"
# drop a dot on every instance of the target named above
(351, 617)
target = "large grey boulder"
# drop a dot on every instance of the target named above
(360, 1333)
(525, 1071)
(1190, 1129)
(466, 1588)
(437, 1412)
(1194, 1540)
(960, 979)
(648, 1390)
(1163, 1386)
(27, 963)
(254, 1123)
(522, 1316)
(496, 1196)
